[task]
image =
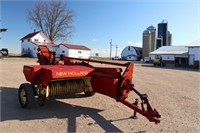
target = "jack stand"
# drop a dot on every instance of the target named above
(134, 113)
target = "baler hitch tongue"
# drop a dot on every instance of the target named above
(151, 114)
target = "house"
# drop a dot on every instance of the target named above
(194, 53)
(171, 55)
(131, 53)
(30, 43)
(76, 51)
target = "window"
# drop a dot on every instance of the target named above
(36, 40)
(129, 48)
(63, 51)
(79, 52)
(34, 48)
(22, 40)
(29, 40)
(44, 40)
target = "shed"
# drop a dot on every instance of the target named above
(174, 55)
(76, 51)
(194, 53)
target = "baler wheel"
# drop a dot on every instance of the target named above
(26, 96)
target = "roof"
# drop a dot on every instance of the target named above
(30, 35)
(195, 43)
(52, 44)
(72, 46)
(127, 52)
(171, 50)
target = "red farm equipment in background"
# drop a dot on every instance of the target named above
(55, 78)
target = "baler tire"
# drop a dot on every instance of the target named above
(89, 93)
(29, 99)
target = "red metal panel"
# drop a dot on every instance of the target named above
(31, 72)
(106, 81)
(69, 71)
(115, 72)
(106, 86)
(51, 72)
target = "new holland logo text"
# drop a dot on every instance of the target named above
(72, 73)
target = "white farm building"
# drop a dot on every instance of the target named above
(76, 51)
(30, 43)
(185, 56)
(172, 55)
(194, 53)
(131, 53)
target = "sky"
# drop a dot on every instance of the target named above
(98, 21)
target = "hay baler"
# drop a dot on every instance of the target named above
(56, 78)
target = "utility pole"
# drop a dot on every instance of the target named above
(110, 49)
(116, 49)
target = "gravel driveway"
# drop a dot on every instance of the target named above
(174, 92)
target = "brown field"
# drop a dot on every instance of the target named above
(174, 92)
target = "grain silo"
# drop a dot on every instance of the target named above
(146, 41)
(152, 29)
(163, 32)
(159, 42)
(169, 39)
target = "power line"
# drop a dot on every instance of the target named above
(116, 49)
(111, 48)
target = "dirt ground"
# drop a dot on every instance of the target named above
(174, 92)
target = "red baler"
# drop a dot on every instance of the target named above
(54, 78)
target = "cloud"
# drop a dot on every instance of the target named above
(106, 52)
(129, 42)
(94, 40)
(137, 44)
(101, 52)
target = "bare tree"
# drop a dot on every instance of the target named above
(54, 18)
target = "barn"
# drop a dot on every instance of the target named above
(171, 55)
(76, 51)
(131, 53)
(194, 53)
